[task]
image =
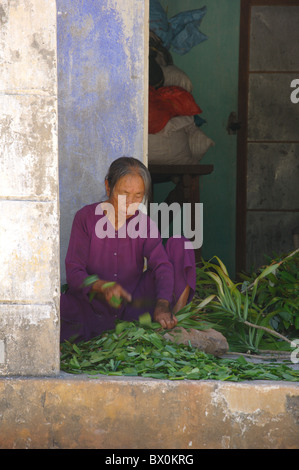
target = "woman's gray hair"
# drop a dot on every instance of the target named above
(127, 165)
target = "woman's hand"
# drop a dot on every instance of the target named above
(163, 315)
(112, 292)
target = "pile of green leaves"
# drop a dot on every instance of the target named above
(261, 312)
(139, 349)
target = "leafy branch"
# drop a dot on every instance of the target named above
(231, 304)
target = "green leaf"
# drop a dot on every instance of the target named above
(205, 302)
(145, 320)
(266, 271)
(74, 363)
(288, 277)
(108, 284)
(222, 266)
(242, 360)
(217, 279)
(121, 326)
(89, 280)
(155, 340)
(77, 350)
(115, 301)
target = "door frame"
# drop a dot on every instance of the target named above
(241, 184)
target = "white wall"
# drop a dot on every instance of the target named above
(29, 214)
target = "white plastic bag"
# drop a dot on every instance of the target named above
(181, 142)
(174, 76)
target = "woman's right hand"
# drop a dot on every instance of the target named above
(111, 292)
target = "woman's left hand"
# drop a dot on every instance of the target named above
(163, 315)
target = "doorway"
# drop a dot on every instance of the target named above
(268, 139)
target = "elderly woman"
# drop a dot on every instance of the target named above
(101, 244)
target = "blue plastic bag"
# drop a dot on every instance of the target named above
(180, 33)
(159, 22)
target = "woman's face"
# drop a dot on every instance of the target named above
(128, 191)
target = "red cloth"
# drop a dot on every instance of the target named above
(168, 102)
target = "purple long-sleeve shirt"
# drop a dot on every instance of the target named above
(116, 258)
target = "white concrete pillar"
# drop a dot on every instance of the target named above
(29, 210)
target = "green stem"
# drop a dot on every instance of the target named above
(259, 327)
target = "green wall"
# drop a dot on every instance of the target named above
(212, 67)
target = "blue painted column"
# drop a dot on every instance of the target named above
(102, 96)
